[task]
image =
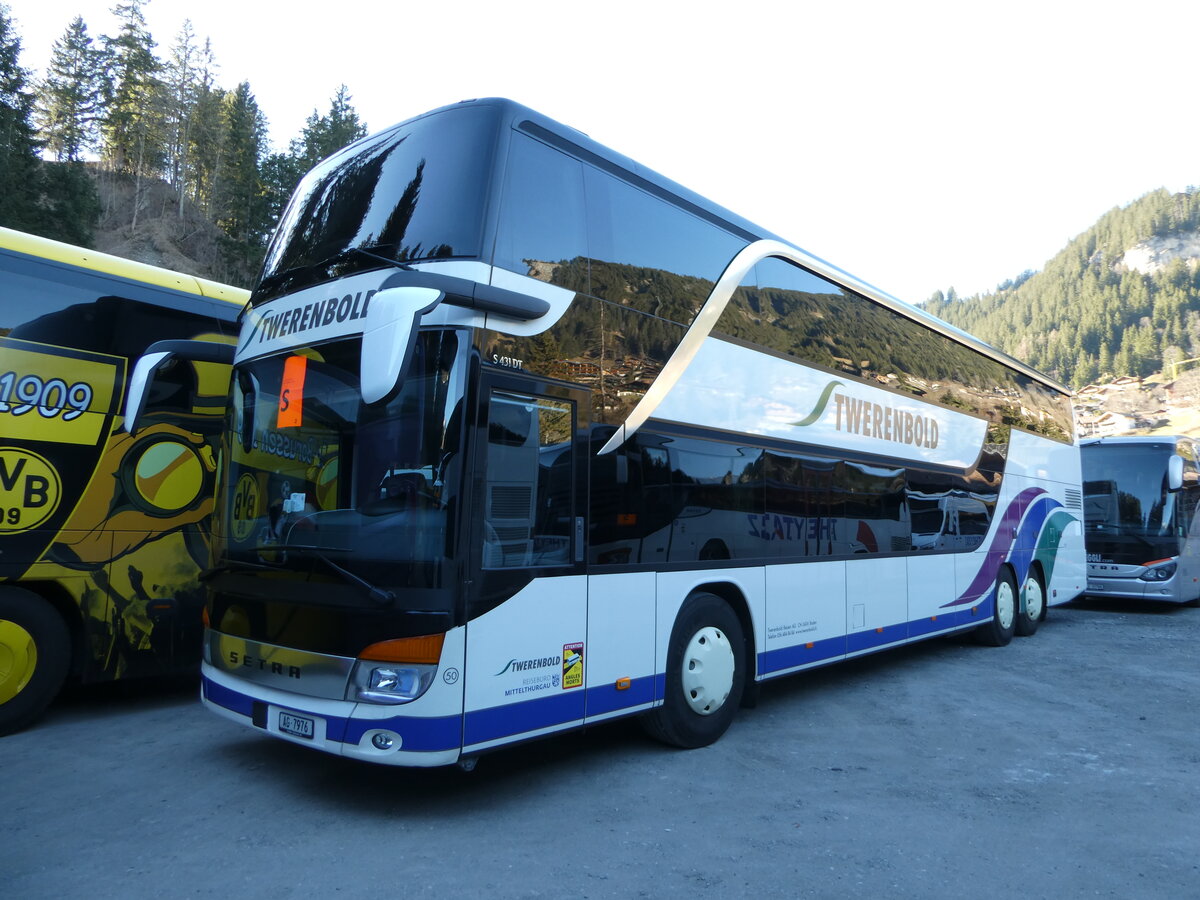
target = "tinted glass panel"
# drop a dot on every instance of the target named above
(542, 230)
(669, 499)
(528, 517)
(950, 512)
(615, 351)
(801, 314)
(649, 254)
(416, 191)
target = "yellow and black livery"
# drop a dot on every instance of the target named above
(103, 533)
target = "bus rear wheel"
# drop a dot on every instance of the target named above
(34, 657)
(1032, 609)
(999, 630)
(706, 675)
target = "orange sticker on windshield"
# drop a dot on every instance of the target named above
(291, 392)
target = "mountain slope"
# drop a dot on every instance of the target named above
(1123, 298)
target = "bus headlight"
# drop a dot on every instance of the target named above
(1159, 571)
(396, 671)
(388, 682)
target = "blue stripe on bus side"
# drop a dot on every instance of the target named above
(497, 722)
(799, 655)
(606, 698)
(865, 640)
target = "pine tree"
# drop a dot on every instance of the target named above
(56, 200)
(206, 132)
(68, 98)
(323, 135)
(241, 204)
(180, 86)
(133, 128)
(19, 165)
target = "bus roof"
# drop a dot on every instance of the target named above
(69, 254)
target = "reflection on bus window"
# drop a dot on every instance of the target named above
(528, 517)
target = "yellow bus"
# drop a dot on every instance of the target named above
(103, 533)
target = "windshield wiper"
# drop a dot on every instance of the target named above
(378, 596)
(230, 565)
(280, 278)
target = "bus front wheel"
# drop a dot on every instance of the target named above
(999, 630)
(706, 674)
(34, 657)
(1032, 609)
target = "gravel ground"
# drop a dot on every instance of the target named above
(1064, 765)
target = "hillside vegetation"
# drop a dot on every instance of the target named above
(121, 148)
(1123, 298)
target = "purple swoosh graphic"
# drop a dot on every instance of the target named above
(1005, 538)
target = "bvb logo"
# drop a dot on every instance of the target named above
(245, 507)
(30, 490)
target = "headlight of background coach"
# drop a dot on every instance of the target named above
(396, 671)
(1160, 570)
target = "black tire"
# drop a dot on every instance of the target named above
(35, 653)
(999, 629)
(1032, 608)
(695, 712)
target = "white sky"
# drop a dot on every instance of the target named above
(918, 145)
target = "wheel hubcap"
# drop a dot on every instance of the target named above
(1006, 605)
(708, 665)
(1034, 599)
(18, 659)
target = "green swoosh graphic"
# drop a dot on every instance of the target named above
(819, 409)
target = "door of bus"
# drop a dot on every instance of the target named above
(527, 600)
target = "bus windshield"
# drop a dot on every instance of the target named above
(320, 484)
(416, 191)
(1126, 501)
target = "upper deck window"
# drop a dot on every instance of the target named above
(572, 224)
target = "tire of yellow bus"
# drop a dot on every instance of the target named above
(35, 649)
(999, 629)
(706, 675)
(1032, 608)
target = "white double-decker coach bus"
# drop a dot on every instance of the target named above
(524, 437)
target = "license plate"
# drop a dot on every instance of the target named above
(300, 726)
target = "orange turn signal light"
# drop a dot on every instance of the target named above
(425, 650)
(623, 683)
(204, 617)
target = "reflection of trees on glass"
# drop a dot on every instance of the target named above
(816, 320)
(392, 233)
(554, 423)
(614, 349)
(618, 345)
(1129, 509)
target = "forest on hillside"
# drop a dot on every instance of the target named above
(1088, 315)
(116, 134)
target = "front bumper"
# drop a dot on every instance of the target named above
(1132, 588)
(340, 727)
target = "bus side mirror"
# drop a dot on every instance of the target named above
(389, 336)
(158, 355)
(1174, 472)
